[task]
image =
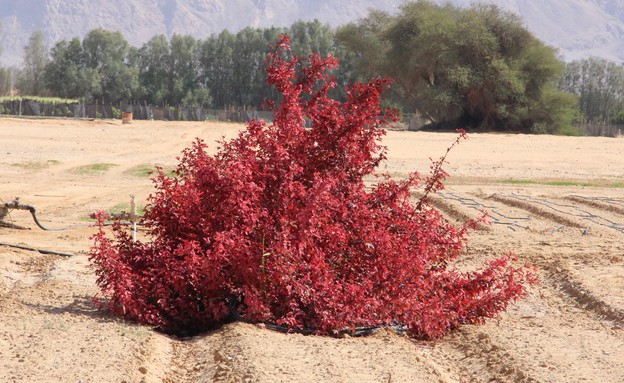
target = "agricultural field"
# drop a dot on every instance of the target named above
(556, 202)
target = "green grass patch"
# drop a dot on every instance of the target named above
(564, 183)
(519, 182)
(142, 170)
(117, 209)
(148, 170)
(569, 183)
(36, 165)
(125, 207)
(94, 169)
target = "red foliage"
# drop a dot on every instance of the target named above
(279, 227)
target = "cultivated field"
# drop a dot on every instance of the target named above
(557, 202)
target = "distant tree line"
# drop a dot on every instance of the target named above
(599, 85)
(474, 67)
(224, 69)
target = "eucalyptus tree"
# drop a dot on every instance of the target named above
(183, 68)
(153, 62)
(248, 58)
(7, 80)
(599, 84)
(31, 81)
(215, 59)
(311, 36)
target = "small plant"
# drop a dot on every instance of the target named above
(279, 227)
(93, 169)
(67, 113)
(116, 113)
(121, 207)
(112, 211)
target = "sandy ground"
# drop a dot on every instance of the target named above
(569, 329)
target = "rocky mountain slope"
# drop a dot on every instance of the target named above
(579, 28)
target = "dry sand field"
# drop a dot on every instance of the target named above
(557, 202)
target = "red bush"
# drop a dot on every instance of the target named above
(279, 227)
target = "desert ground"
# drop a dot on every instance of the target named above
(557, 202)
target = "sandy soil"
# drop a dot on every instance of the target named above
(569, 329)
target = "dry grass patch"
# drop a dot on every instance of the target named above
(36, 165)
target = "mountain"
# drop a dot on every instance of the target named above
(577, 28)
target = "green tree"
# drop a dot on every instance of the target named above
(31, 79)
(200, 97)
(476, 67)
(111, 56)
(216, 67)
(66, 75)
(311, 36)
(7, 80)
(552, 113)
(599, 84)
(169, 72)
(618, 117)
(248, 77)
(233, 67)
(182, 68)
(153, 62)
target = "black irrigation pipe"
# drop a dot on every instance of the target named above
(41, 226)
(583, 214)
(499, 218)
(33, 212)
(358, 331)
(42, 251)
(496, 216)
(606, 200)
(15, 205)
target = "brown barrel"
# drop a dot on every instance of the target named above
(126, 117)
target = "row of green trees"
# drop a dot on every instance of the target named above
(599, 84)
(224, 69)
(475, 67)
